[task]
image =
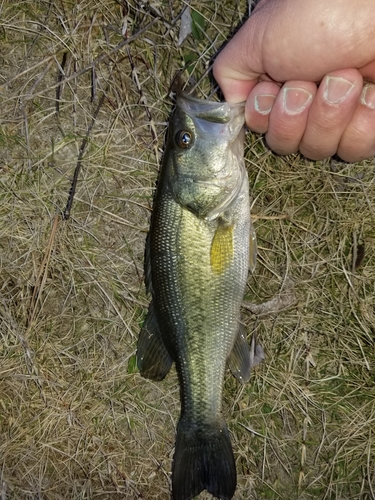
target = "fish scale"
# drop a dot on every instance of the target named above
(197, 261)
(191, 280)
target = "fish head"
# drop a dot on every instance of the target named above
(205, 154)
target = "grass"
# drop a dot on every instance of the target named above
(75, 421)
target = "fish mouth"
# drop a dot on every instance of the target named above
(213, 119)
(212, 111)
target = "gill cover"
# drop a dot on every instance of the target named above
(208, 166)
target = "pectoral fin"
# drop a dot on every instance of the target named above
(242, 358)
(153, 359)
(222, 248)
(253, 249)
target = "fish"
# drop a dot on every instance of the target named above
(199, 249)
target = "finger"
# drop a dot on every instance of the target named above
(292, 40)
(358, 140)
(239, 65)
(330, 113)
(259, 105)
(289, 115)
(368, 72)
(234, 84)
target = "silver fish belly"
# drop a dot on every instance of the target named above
(197, 261)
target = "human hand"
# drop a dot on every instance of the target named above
(275, 60)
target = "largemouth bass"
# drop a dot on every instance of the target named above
(197, 259)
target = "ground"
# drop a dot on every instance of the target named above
(90, 83)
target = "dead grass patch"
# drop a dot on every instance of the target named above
(74, 423)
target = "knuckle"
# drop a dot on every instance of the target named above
(317, 150)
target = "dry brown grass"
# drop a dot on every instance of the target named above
(75, 423)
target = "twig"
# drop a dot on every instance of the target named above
(60, 80)
(79, 161)
(27, 137)
(42, 274)
(269, 217)
(358, 253)
(252, 431)
(94, 63)
(275, 305)
(143, 101)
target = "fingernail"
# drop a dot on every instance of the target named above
(263, 103)
(295, 99)
(368, 95)
(336, 89)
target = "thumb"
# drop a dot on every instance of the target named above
(237, 70)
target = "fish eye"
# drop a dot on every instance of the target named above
(184, 139)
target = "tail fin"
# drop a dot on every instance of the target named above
(203, 459)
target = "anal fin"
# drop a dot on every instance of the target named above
(256, 351)
(239, 358)
(242, 357)
(153, 359)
